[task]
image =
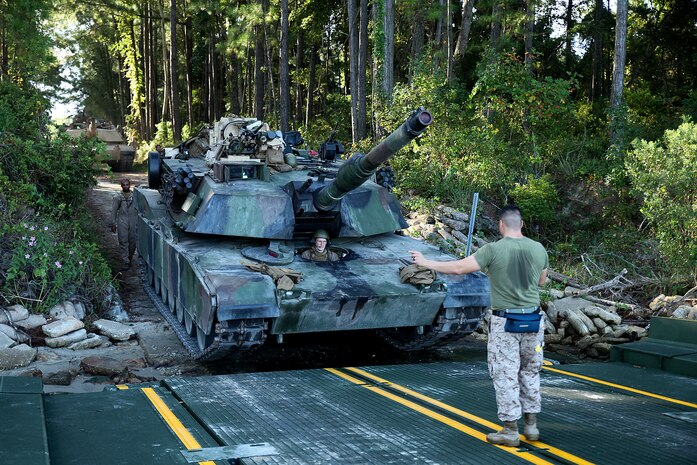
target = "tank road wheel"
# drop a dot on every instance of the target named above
(204, 340)
(173, 304)
(189, 324)
(163, 292)
(180, 312)
(157, 286)
(148, 275)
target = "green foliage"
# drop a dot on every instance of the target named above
(663, 175)
(44, 177)
(27, 45)
(339, 119)
(50, 263)
(50, 174)
(537, 200)
(533, 115)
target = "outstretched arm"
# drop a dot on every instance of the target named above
(464, 266)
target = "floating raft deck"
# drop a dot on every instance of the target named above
(438, 413)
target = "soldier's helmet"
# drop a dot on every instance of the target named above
(321, 233)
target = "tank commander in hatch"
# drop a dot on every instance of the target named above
(320, 252)
(123, 220)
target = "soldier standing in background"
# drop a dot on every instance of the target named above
(320, 252)
(516, 266)
(123, 220)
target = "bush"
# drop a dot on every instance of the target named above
(663, 175)
(537, 200)
(50, 174)
(45, 258)
(50, 263)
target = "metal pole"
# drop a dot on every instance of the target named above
(475, 201)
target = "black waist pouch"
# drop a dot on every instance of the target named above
(522, 322)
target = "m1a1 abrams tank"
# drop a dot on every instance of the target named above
(120, 155)
(219, 230)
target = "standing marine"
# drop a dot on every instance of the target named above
(124, 218)
(516, 266)
(320, 251)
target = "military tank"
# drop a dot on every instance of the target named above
(120, 155)
(224, 222)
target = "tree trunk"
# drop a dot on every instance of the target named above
(166, 96)
(212, 78)
(449, 39)
(188, 47)
(122, 92)
(259, 78)
(249, 84)
(417, 39)
(270, 68)
(362, 70)
(463, 37)
(3, 45)
(174, 66)
(234, 83)
(299, 53)
(529, 29)
(137, 97)
(353, 66)
(569, 20)
(495, 26)
(618, 68)
(311, 86)
(146, 30)
(284, 69)
(439, 23)
(597, 79)
(388, 66)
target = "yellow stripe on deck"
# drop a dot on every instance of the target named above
(620, 386)
(558, 452)
(173, 422)
(525, 455)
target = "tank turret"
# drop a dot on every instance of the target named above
(242, 187)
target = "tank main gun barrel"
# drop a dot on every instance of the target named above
(360, 167)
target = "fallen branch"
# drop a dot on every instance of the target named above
(599, 287)
(562, 278)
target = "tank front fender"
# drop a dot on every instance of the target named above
(245, 312)
(243, 294)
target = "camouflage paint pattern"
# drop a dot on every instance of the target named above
(193, 233)
(515, 361)
(205, 277)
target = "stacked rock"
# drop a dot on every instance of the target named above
(675, 306)
(14, 352)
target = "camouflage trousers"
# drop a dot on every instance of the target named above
(515, 360)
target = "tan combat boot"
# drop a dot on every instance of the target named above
(508, 436)
(530, 430)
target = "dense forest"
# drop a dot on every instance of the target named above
(582, 112)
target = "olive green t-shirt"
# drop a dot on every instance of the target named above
(514, 267)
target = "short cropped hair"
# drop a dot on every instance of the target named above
(511, 217)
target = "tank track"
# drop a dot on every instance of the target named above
(450, 325)
(231, 337)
